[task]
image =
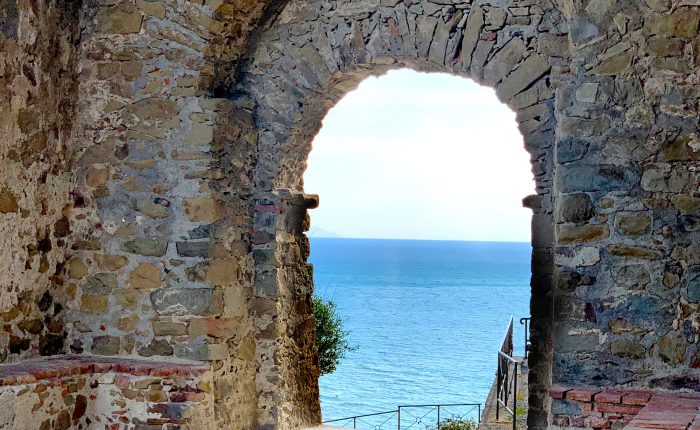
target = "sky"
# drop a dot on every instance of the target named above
(413, 155)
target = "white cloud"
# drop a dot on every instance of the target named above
(412, 155)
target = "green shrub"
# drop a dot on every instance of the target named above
(456, 424)
(331, 339)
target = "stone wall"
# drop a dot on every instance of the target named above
(311, 54)
(626, 302)
(38, 56)
(152, 203)
(160, 263)
(74, 392)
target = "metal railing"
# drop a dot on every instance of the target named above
(507, 382)
(411, 417)
(528, 345)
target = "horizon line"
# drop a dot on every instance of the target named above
(419, 239)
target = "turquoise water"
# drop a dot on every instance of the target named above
(427, 318)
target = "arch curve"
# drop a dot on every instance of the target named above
(307, 59)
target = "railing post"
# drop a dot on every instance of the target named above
(515, 394)
(399, 416)
(478, 417)
(354, 422)
(438, 422)
(498, 388)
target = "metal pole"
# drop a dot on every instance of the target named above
(438, 418)
(478, 418)
(515, 394)
(498, 389)
(354, 422)
(399, 415)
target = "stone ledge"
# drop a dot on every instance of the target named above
(31, 371)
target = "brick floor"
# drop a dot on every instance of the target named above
(670, 411)
(601, 408)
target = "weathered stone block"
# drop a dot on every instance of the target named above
(202, 351)
(194, 249)
(200, 135)
(147, 246)
(533, 68)
(570, 234)
(631, 277)
(105, 345)
(123, 19)
(633, 252)
(575, 208)
(573, 178)
(93, 304)
(565, 407)
(152, 109)
(686, 204)
(111, 262)
(672, 347)
(146, 276)
(614, 66)
(9, 18)
(157, 347)
(100, 283)
(169, 328)
(627, 349)
(475, 23)
(154, 210)
(693, 284)
(632, 223)
(183, 301)
(127, 324)
(8, 201)
(683, 24)
(127, 298)
(201, 209)
(77, 269)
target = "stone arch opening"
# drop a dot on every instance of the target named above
(404, 157)
(305, 60)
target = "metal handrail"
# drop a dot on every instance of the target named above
(399, 408)
(361, 416)
(503, 376)
(528, 344)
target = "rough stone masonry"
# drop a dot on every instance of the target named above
(152, 207)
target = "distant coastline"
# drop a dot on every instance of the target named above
(318, 232)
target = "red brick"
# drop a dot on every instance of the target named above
(558, 391)
(582, 394)
(622, 409)
(610, 396)
(636, 398)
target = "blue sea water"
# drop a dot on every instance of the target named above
(426, 316)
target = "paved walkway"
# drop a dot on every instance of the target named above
(669, 411)
(505, 421)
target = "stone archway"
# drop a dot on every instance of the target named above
(306, 59)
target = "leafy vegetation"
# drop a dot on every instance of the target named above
(331, 339)
(457, 424)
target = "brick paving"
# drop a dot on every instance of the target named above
(599, 408)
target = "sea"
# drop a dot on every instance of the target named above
(426, 319)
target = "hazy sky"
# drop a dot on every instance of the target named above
(421, 156)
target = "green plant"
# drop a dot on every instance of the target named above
(331, 339)
(457, 424)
